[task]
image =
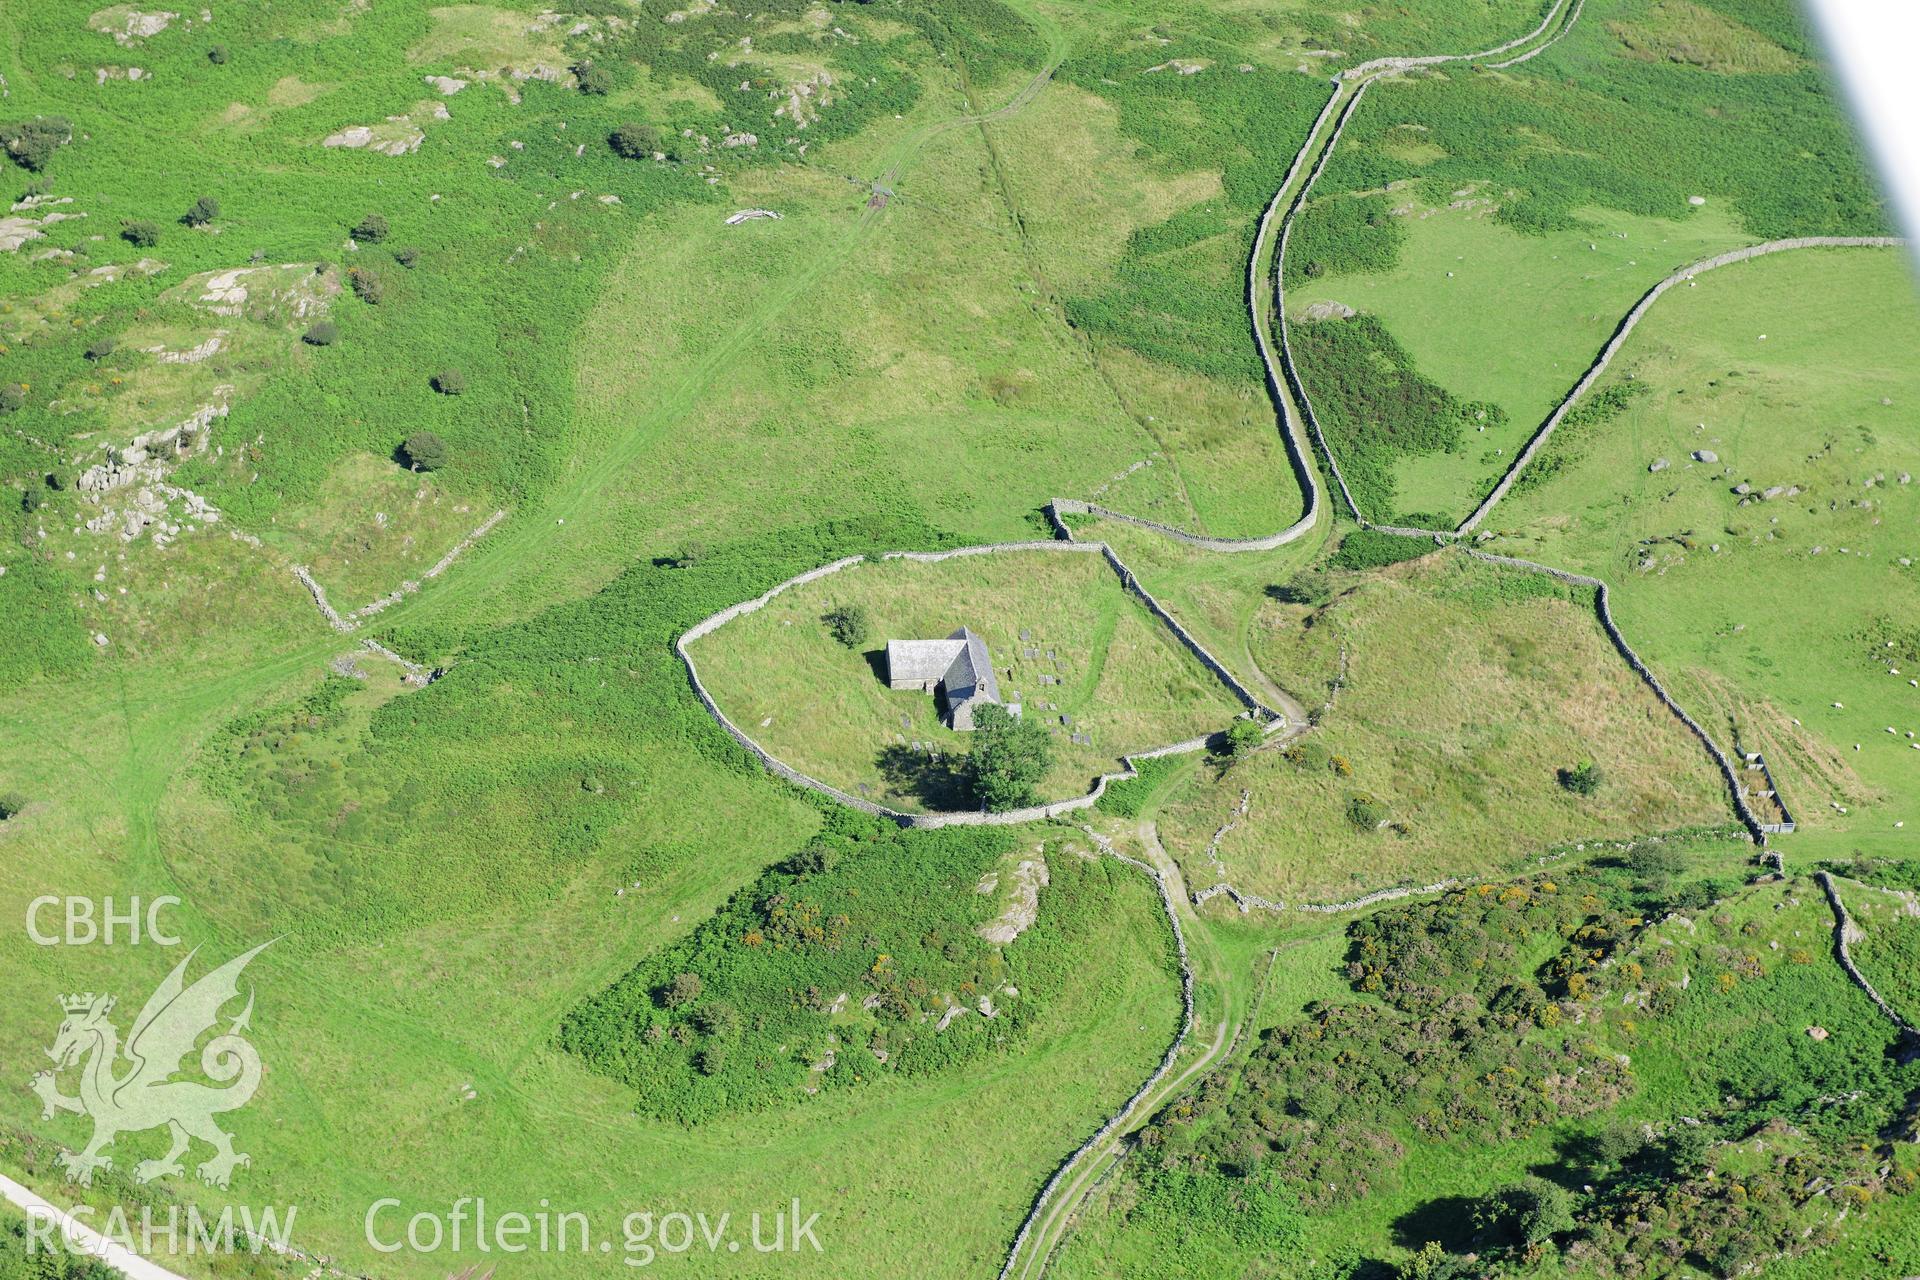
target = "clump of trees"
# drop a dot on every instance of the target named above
(31, 143)
(449, 382)
(140, 234)
(1009, 758)
(848, 623)
(1528, 1213)
(424, 451)
(201, 212)
(634, 141)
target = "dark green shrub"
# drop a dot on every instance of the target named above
(371, 229)
(1365, 812)
(688, 555)
(13, 398)
(848, 623)
(1372, 549)
(1583, 779)
(100, 348)
(449, 382)
(367, 285)
(32, 143)
(683, 990)
(141, 235)
(594, 79)
(634, 141)
(425, 451)
(1655, 865)
(203, 211)
(1527, 1213)
(322, 333)
(11, 803)
(1304, 588)
(407, 257)
(217, 55)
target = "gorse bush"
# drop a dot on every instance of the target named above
(367, 285)
(593, 79)
(201, 212)
(321, 333)
(140, 234)
(371, 229)
(449, 382)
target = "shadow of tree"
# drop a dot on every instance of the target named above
(1447, 1219)
(937, 783)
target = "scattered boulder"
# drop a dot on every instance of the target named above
(1327, 310)
(1658, 464)
(1705, 455)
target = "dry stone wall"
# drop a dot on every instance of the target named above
(1601, 607)
(1632, 319)
(1842, 927)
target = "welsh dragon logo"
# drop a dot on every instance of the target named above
(130, 1088)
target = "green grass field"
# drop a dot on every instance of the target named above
(1068, 643)
(1493, 314)
(1465, 690)
(1765, 615)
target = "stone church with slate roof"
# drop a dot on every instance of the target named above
(958, 668)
